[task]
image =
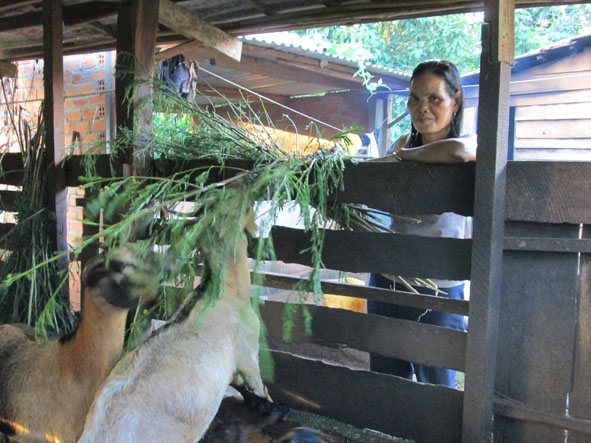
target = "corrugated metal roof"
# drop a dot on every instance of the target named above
(91, 25)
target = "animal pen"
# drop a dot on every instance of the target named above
(527, 353)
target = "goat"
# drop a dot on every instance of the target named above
(171, 387)
(47, 388)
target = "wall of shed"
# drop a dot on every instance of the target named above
(553, 109)
(551, 103)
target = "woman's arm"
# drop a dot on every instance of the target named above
(450, 150)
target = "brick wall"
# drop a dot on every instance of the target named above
(88, 91)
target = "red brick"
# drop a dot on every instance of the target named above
(82, 127)
(71, 90)
(73, 116)
(81, 102)
(78, 78)
(37, 82)
(88, 113)
(99, 74)
(99, 125)
(75, 226)
(87, 88)
(97, 99)
(71, 63)
(88, 62)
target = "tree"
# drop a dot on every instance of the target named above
(402, 44)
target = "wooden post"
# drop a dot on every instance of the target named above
(137, 23)
(53, 114)
(489, 220)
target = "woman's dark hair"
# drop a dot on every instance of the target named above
(447, 71)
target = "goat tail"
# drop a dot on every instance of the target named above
(10, 429)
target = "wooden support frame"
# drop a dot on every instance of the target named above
(53, 113)
(136, 42)
(7, 69)
(489, 217)
(188, 24)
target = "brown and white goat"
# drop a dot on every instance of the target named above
(47, 388)
(171, 387)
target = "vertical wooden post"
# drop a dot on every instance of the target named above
(137, 24)
(489, 219)
(53, 114)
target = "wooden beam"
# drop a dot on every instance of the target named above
(7, 69)
(53, 112)
(137, 24)
(489, 216)
(190, 25)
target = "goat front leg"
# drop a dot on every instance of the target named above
(252, 399)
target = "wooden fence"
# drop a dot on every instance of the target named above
(543, 374)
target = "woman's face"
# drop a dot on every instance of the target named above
(431, 107)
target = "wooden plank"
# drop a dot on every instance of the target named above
(572, 245)
(549, 192)
(103, 164)
(571, 111)
(55, 198)
(5, 228)
(392, 405)
(567, 129)
(580, 396)
(515, 410)
(489, 216)
(396, 187)
(537, 333)
(8, 199)
(409, 340)
(552, 154)
(422, 301)
(404, 187)
(190, 25)
(552, 97)
(12, 169)
(7, 69)
(137, 24)
(568, 83)
(556, 144)
(443, 258)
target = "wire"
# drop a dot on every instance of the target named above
(270, 100)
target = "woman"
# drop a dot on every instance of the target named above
(436, 106)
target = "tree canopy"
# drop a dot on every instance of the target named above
(402, 44)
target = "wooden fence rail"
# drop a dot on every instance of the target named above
(544, 341)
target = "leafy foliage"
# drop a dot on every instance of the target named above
(33, 277)
(402, 44)
(211, 170)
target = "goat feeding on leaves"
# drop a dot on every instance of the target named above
(47, 388)
(171, 387)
